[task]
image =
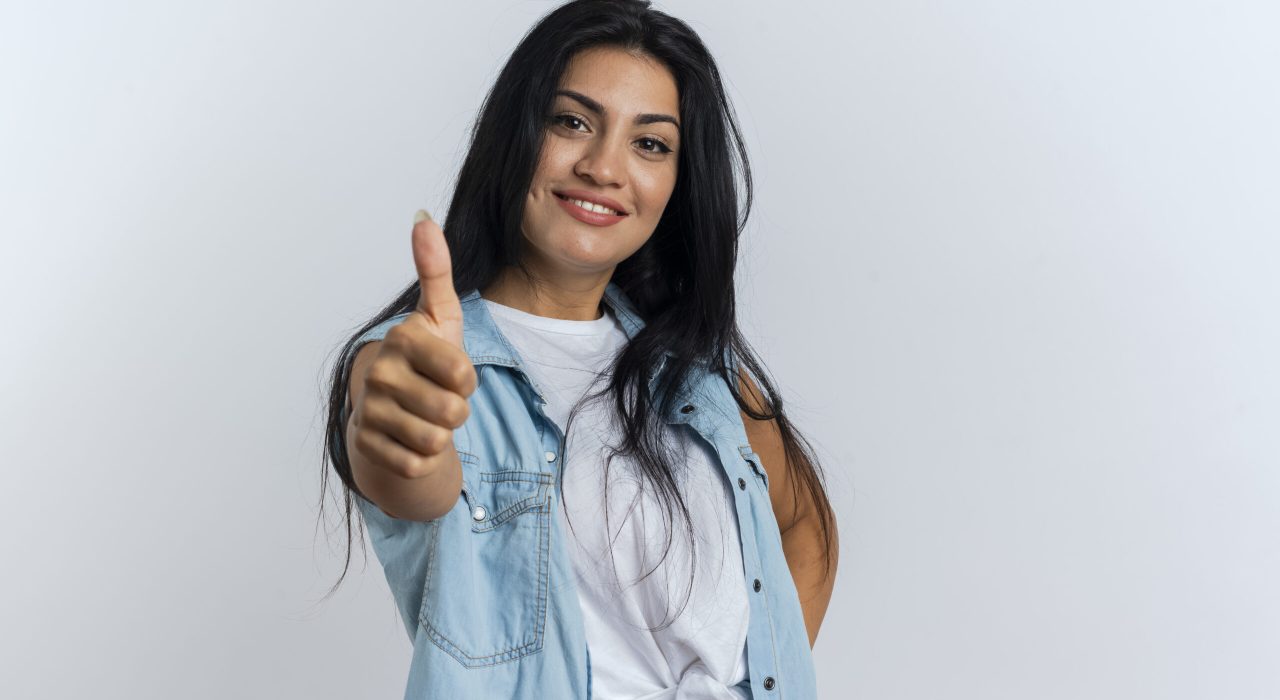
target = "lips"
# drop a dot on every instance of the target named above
(586, 215)
(594, 198)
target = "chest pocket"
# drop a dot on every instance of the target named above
(485, 597)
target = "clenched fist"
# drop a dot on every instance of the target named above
(410, 394)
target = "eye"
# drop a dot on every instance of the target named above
(659, 147)
(648, 144)
(566, 119)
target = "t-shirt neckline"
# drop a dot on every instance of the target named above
(597, 326)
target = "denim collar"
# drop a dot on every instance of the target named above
(485, 344)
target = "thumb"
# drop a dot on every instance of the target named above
(437, 300)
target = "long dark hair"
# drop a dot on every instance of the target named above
(680, 281)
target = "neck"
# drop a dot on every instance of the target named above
(570, 300)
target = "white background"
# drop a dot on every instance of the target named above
(1013, 263)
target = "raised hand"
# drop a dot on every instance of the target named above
(414, 393)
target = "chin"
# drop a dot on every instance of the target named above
(587, 263)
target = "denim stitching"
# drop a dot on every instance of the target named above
(508, 513)
(544, 562)
(512, 653)
(517, 475)
(463, 658)
(538, 479)
(521, 650)
(505, 361)
(431, 572)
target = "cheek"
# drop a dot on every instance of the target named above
(657, 192)
(539, 172)
(558, 156)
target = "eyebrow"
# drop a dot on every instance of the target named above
(599, 109)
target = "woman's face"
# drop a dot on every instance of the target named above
(612, 136)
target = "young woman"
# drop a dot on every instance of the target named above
(576, 475)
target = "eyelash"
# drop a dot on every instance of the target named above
(663, 148)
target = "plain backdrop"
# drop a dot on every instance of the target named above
(1013, 264)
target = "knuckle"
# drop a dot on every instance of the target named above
(459, 374)
(400, 338)
(440, 412)
(438, 440)
(426, 440)
(402, 467)
(470, 380)
(371, 412)
(458, 412)
(380, 376)
(363, 441)
(414, 467)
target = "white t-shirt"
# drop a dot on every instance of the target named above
(700, 655)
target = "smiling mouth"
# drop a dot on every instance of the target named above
(590, 206)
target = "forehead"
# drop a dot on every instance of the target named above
(622, 81)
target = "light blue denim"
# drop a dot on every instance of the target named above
(486, 591)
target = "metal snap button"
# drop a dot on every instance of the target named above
(757, 585)
(742, 483)
(479, 513)
(551, 456)
(768, 683)
(687, 408)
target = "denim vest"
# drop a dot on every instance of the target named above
(486, 591)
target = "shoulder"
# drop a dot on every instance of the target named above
(766, 441)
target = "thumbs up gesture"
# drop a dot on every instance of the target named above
(439, 311)
(413, 394)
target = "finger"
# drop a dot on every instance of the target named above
(422, 437)
(433, 357)
(390, 454)
(426, 400)
(437, 298)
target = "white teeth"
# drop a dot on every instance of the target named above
(589, 206)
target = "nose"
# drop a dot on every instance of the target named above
(601, 163)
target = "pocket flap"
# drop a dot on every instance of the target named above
(495, 497)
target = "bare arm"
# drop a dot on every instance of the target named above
(798, 523)
(803, 546)
(410, 391)
(411, 498)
